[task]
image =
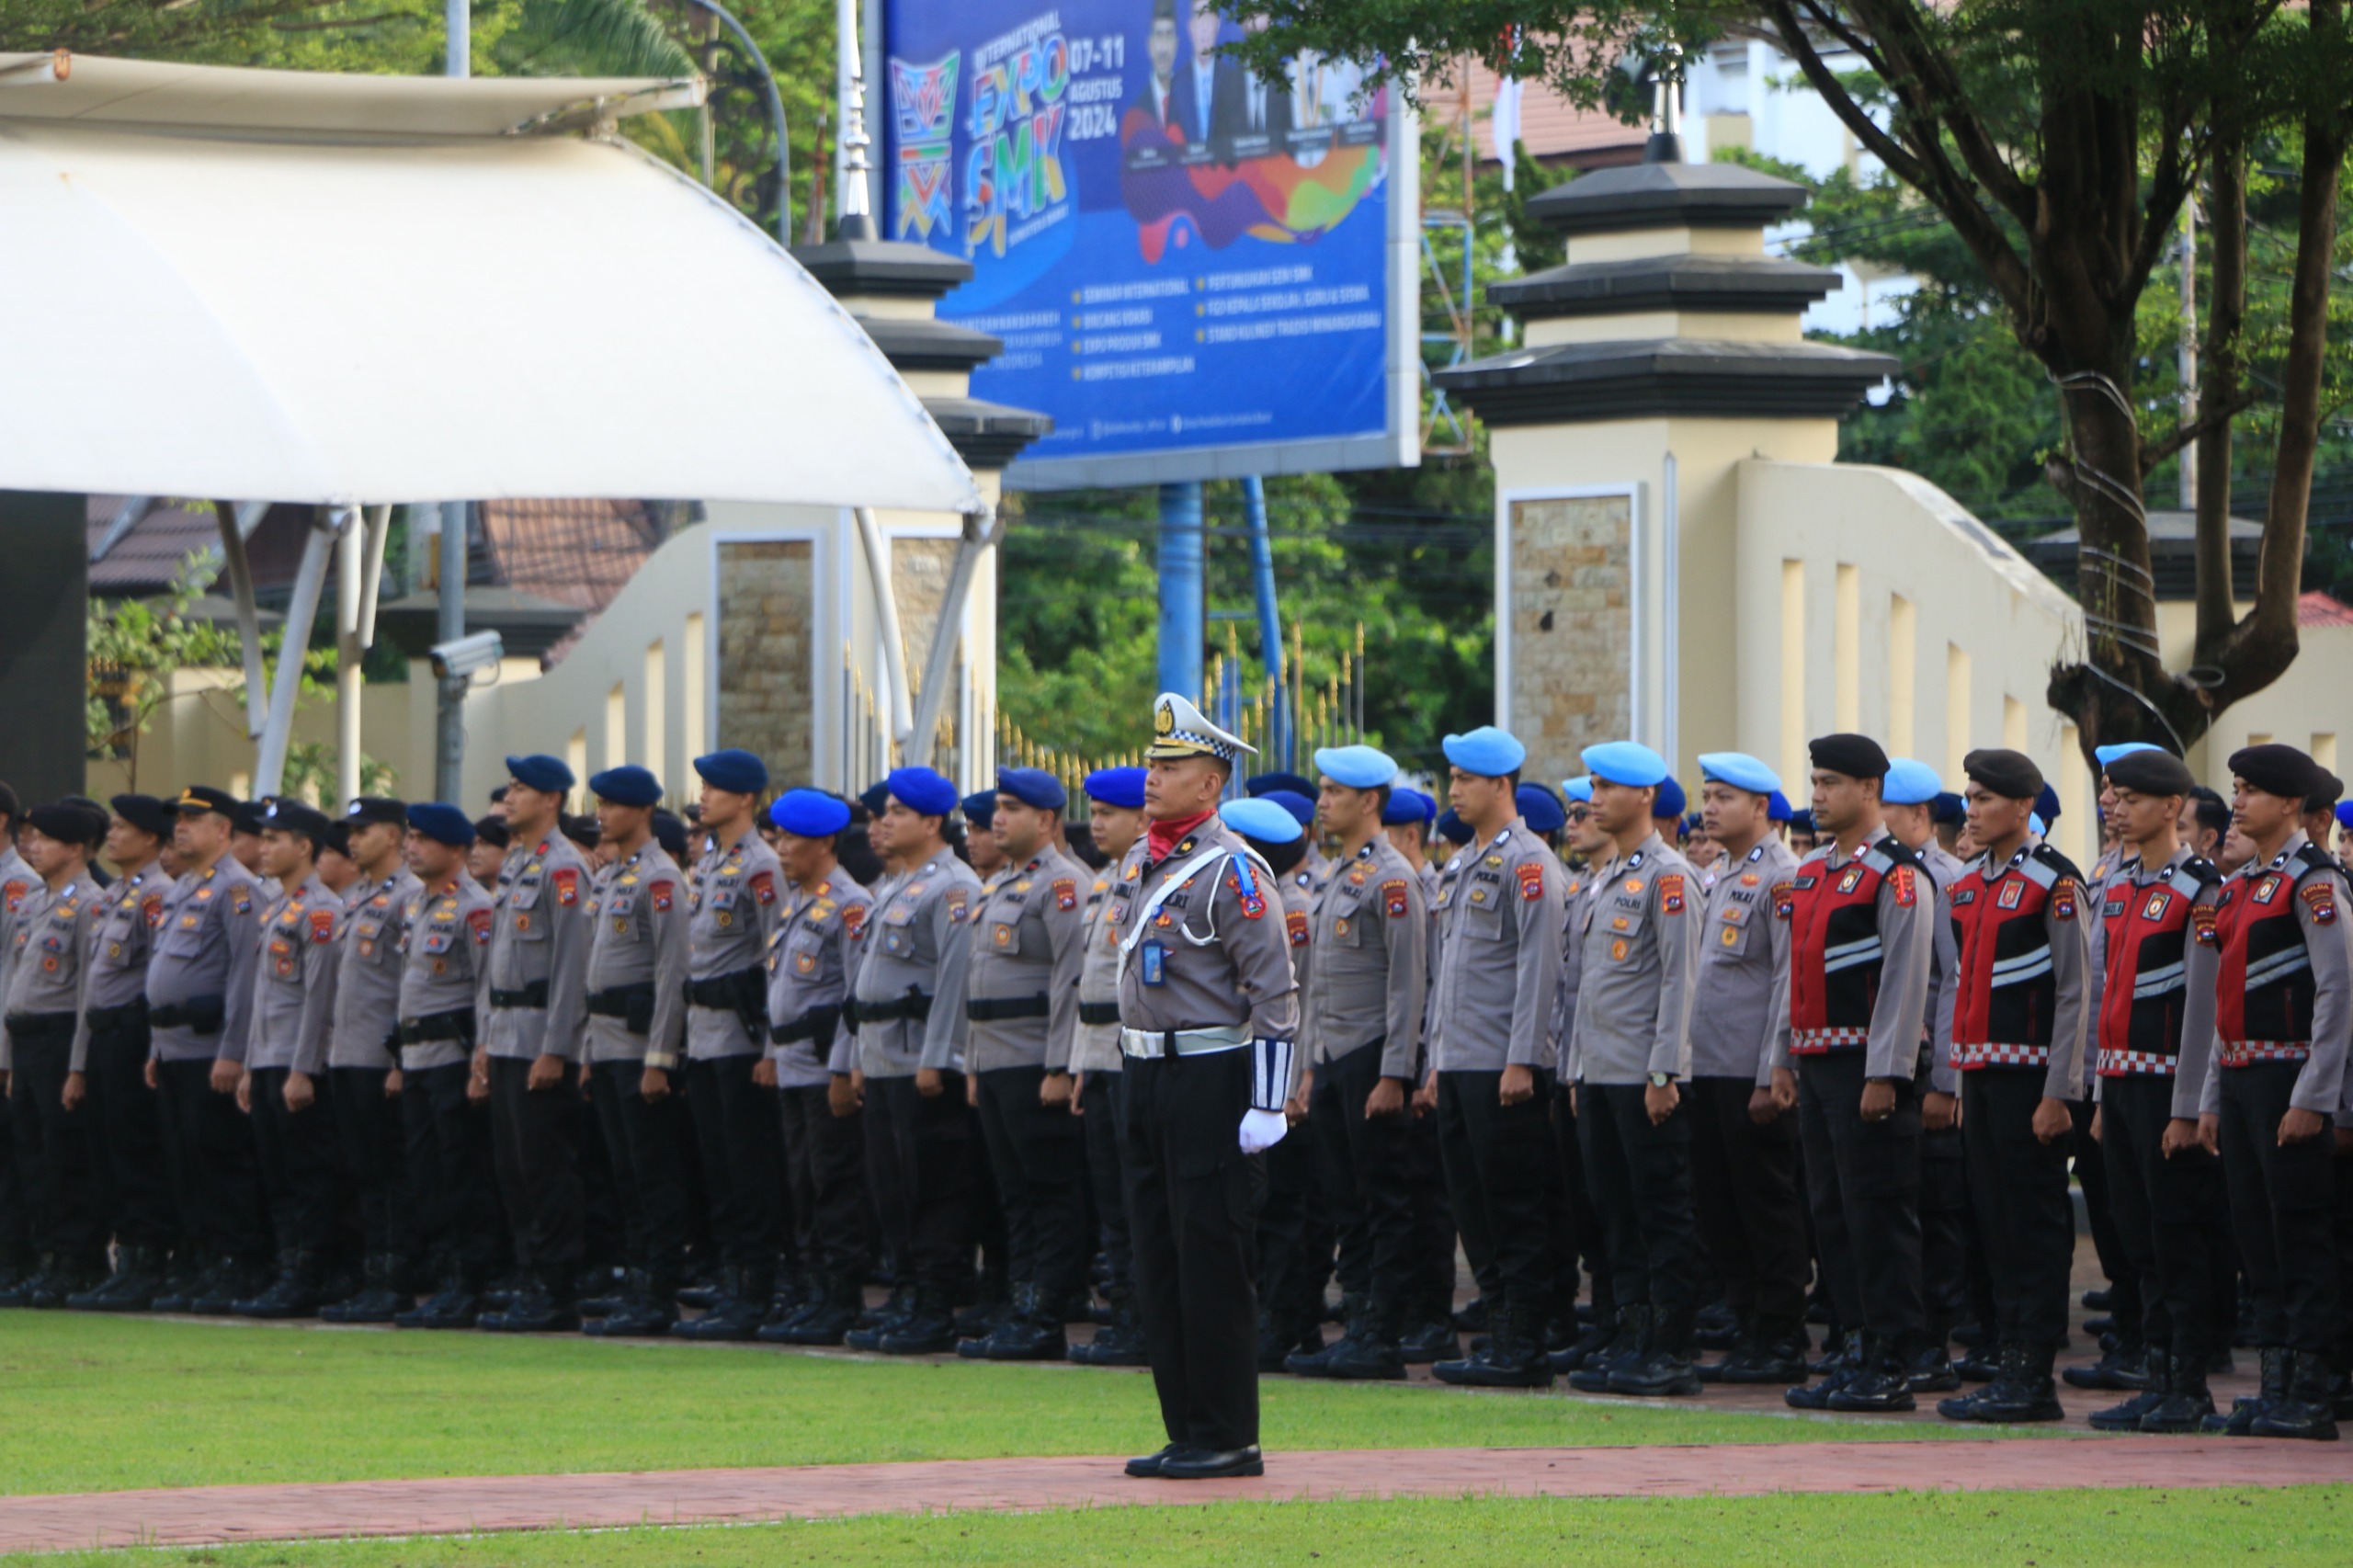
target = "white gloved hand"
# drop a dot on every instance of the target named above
(1262, 1130)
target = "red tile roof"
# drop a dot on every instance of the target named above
(1553, 129)
(2316, 609)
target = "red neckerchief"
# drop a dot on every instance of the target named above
(1160, 840)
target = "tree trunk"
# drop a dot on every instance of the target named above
(2219, 367)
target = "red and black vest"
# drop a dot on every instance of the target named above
(2264, 998)
(1835, 956)
(2148, 930)
(2008, 993)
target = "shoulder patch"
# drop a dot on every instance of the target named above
(1394, 901)
(1670, 893)
(479, 924)
(152, 908)
(242, 901)
(1531, 880)
(664, 893)
(764, 886)
(1295, 927)
(1785, 899)
(854, 920)
(1907, 891)
(323, 926)
(2319, 896)
(2205, 924)
(959, 906)
(1066, 892)
(2062, 899)
(567, 886)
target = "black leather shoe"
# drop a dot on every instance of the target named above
(1757, 1363)
(1148, 1466)
(826, 1320)
(535, 1309)
(1979, 1365)
(293, 1294)
(1206, 1464)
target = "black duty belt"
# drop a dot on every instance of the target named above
(205, 1015)
(131, 1016)
(31, 1026)
(632, 1004)
(725, 992)
(532, 995)
(817, 1024)
(457, 1023)
(1098, 1012)
(914, 1005)
(995, 1009)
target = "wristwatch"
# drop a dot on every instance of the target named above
(1661, 1080)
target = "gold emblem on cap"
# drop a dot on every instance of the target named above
(1164, 719)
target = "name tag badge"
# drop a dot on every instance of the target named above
(1155, 962)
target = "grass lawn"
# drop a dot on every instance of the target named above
(1985, 1529)
(94, 1403)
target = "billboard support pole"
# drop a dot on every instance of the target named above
(1182, 623)
(1270, 625)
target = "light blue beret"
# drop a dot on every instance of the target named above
(1579, 789)
(1486, 751)
(1264, 820)
(2122, 749)
(1629, 763)
(1740, 770)
(1359, 768)
(1910, 782)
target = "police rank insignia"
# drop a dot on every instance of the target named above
(1392, 898)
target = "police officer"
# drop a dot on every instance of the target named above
(1491, 1028)
(737, 906)
(1021, 1003)
(17, 1261)
(1629, 1057)
(1208, 1015)
(363, 1057)
(811, 960)
(1861, 946)
(445, 934)
(910, 989)
(1429, 1312)
(51, 942)
(1115, 817)
(637, 1026)
(2017, 1038)
(199, 1011)
(2275, 1081)
(1744, 1146)
(534, 999)
(285, 1088)
(1360, 1020)
(980, 852)
(111, 1063)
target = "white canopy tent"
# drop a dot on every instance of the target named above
(226, 289)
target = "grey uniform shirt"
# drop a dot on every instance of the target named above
(810, 961)
(1499, 959)
(917, 944)
(294, 987)
(1369, 933)
(1743, 985)
(120, 940)
(1096, 1047)
(738, 904)
(538, 939)
(1225, 959)
(1944, 972)
(1635, 971)
(367, 984)
(53, 943)
(1028, 942)
(443, 939)
(208, 939)
(637, 916)
(1575, 897)
(18, 884)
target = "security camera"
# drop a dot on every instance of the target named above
(462, 657)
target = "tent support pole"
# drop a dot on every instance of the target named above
(886, 620)
(350, 568)
(241, 583)
(981, 530)
(270, 764)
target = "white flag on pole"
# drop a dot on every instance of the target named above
(1502, 123)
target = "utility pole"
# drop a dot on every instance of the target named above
(450, 739)
(2188, 364)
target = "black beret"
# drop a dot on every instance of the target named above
(144, 812)
(2331, 791)
(494, 832)
(498, 795)
(2011, 774)
(291, 816)
(1801, 821)
(10, 807)
(1857, 757)
(198, 798)
(337, 837)
(364, 808)
(66, 822)
(584, 831)
(670, 832)
(875, 798)
(2279, 770)
(248, 817)
(2152, 773)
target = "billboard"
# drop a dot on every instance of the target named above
(1197, 271)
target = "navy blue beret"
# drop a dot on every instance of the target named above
(670, 832)
(1267, 783)
(810, 813)
(1671, 799)
(1801, 821)
(734, 770)
(1301, 808)
(628, 785)
(1407, 806)
(1542, 808)
(874, 797)
(442, 824)
(1777, 807)
(549, 775)
(980, 809)
(1947, 807)
(1116, 787)
(1453, 828)
(925, 792)
(1032, 787)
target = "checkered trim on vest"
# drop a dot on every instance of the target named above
(2246, 1052)
(2137, 1064)
(1816, 1042)
(1985, 1053)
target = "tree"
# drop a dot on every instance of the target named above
(134, 648)
(2060, 140)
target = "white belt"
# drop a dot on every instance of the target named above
(1150, 1043)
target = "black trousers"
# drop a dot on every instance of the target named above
(127, 1121)
(1037, 1156)
(1098, 1104)
(2018, 1187)
(452, 1177)
(1576, 1226)
(2118, 1264)
(928, 1146)
(2283, 1206)
(824, 1164)
(1945, 1226)
(375, 1155)
(2159, 1206)
(1365, 1165)
(743, 1160)
(1293, 1240)
(1862, 1183)
(16, 1235)
(1744, 1196)
(54, 1167)
(1189, 1202)
(1495, 1157)
(210, 1149)
(535, 1141)
(1640, 1175)
(300, 1162)
(641, 1143)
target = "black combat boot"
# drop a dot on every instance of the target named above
(1118, 1343)
(1879, 1385)
(454, 1304)
(1842, 1361)
(872, 1325)
(294, 1293)
(1663, 1367)
(829, 1316)
(543, 1305)
(930, 1330)
(1370, 1353)
(794, 1293)
(1313, 1354)
(136, 1281)
(2246, 1408)
(2307, 1411)
(1931, 1369)
(1628, 1342)
(2125, 1368)
(1515, 1356)
(1431, 1339)
(379, 1299)
(2129, 1416)
(2022, 1391)
(185, 1280)
(990, 1307)
(1033, 1331)
(647, 1308)
(743, 1306)
(1718, 1327)
(2186, 1401)
(1596, 1335)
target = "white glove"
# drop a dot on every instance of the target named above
(1263, 1129)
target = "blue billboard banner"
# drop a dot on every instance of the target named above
(1195, 271)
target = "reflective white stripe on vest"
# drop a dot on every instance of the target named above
(2278, 966)
(2019, 970)
(1846, 955)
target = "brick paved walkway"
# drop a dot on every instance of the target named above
(210, 1515)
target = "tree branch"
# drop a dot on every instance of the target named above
(2208, 418)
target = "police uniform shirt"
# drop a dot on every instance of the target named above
(294, 985)
(1027, 942)
(366, 1031)
(637, 921)
(208, 942)
(737, 906)
(538, 943)
(1577, 894)
(446, 933)
(916, 946)
(1944, 963)
(1907, 938)
(2321, 1085)
(1223, 953)
(1369, 934)
(1499, 961)
(120, 939)
(1744, 975)
(53, 943)
(810, 961)
(1635, 971)
(17, 883)
(1095, 1048)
